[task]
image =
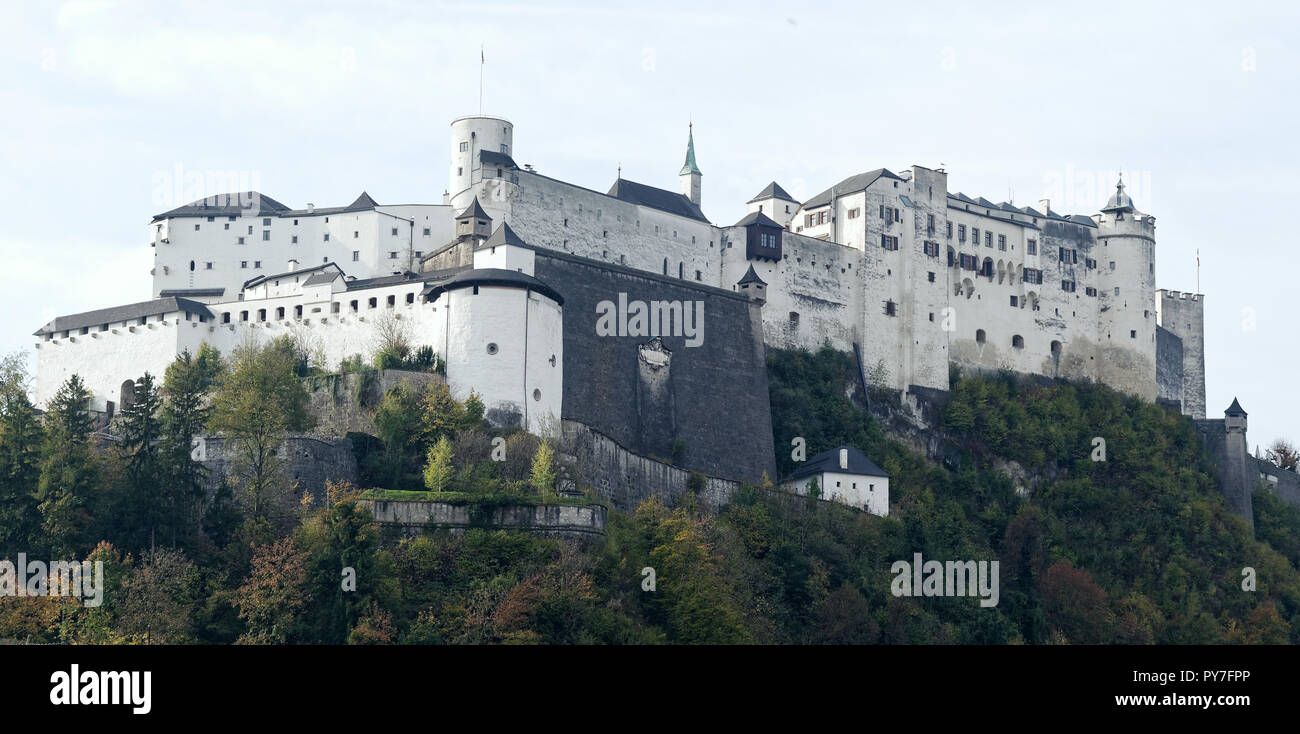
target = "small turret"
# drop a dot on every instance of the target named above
(753, 286)
(473, 222)
(1234, 418)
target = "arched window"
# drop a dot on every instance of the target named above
(665, 266)
(979, 336)
(126, 395)
(681, 272)
(1018, 341)
(1056, 349)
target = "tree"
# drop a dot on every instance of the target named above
(140, 510)
(259, 401)
(21, 436)
(398, 423)
(69, 471)
(439, 471)
(158, 599)
(543, 476)
(442, 415)
(1283, 453)
(274, 594)
(391, 341)
(185, 387)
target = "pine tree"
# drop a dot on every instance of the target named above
(142, 507)
(184, 414)
(21, 436)
(69, 472)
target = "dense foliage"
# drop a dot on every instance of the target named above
(1137, 548)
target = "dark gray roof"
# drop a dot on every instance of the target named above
(750, 277)
(322, 277)
(829, 461)
(192, 292)
(492, 158)
(473, 211)
(758, 218)
(661, 199)
(408, 276)
(1235, 409)
(240, 203)
(492, 277)
(772, 191)
(907, 201)
(850, 185)
(360, 204)
(128, 312)
(504, 235)
(252, 282)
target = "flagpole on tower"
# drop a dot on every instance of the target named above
(482, 60)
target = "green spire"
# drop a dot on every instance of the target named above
(689, 166)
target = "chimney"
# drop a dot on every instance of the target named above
(293, 265)
(844, 458)
(310, 207)
(1044, 205)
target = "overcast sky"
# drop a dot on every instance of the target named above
(106, 103)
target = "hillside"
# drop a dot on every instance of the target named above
(1138, 548)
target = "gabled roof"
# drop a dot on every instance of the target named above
(829, 461)
(850, 185)
(128, 312)
(758, 218)
(497, 277)
(772, 191)
(750, 277)
(254, 282)
(250, 203)
(362, 203)
(504, 235)
(322, 277)
(493, 158)
(663, 200)
(473, 211)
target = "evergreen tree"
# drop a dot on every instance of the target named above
(21, 436)
(141, 507)
(69, 472)
(184, 414)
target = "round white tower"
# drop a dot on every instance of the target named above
(471, 137)
(504, 339)
(1126, 242)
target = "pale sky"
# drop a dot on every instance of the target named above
(105, 102)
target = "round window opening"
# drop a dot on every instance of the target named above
(492, 348)
(537, 394)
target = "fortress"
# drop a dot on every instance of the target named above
(510, 275)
